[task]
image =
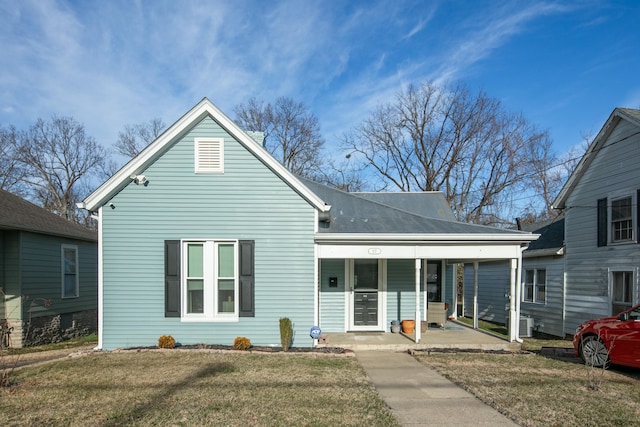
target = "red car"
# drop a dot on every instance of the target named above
(613, 339)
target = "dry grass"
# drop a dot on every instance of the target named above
(174, 387)
(539, 391)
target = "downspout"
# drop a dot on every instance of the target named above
(519, 294)
(514, 321)
(475, 295)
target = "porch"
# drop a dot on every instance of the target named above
(454, 335)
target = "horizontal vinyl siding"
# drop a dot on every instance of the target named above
(613, 172)
(11, 277)
(547, 317)
(41, 264)
(401, 279)
(247, 202)
(332, 300)
(494, 280)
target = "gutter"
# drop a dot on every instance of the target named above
(422, 238)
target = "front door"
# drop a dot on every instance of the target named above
(365, 299)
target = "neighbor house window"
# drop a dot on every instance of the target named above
(209, 155)
(70, 280)
(210, 287)
(535, 286)
(621, 220)
(622, 289)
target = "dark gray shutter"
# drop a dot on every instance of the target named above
(602, 222)
(171, 278)
(247, 280)
(637, 236)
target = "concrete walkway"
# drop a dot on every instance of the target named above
(419, 396)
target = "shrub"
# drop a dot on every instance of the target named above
(241, 343)
(286, 333)
(166, 341)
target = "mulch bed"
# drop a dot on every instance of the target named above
(253, 349)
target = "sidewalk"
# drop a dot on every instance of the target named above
(419, 396)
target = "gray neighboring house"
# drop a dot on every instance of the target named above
(542, 284)
(48, 274)
(602, 223)
(543, 295)
(586, 263)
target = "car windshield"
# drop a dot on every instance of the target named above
(634, 314)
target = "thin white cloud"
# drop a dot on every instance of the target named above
(486, 34)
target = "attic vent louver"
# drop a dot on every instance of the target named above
(209, 155)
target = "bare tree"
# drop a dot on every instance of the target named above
(291, 132)
(546, 177)
(451, 140)
(341, 175)
(59, 160)
(11, 171)
(134, 138)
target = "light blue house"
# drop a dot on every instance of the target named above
(204, 236)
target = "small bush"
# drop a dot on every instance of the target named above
(241, 343)
(166, 341)
(286, 333)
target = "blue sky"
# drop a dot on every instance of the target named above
(563, 64)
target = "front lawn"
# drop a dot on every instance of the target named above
(540, 391)
(176, 387)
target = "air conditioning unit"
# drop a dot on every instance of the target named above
(526, 326)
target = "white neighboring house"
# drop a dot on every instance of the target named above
(586, 263)
(602, 234)
(542, 284)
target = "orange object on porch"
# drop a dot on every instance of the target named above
(408, 326)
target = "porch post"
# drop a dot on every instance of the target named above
(513, 319)
(418, 328)
(475, 295)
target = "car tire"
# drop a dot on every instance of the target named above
(593, 352)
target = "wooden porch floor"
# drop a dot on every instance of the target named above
(454, 335)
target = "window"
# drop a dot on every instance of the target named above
(535, 286)
(209, 155)
(211, 279)
(621, 220)
(70, 281)
(616, 218)
(622, 287)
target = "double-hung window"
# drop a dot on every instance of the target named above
(622, 287)
(70, 279)
(210, 285)
(535, 286)
(621, 219)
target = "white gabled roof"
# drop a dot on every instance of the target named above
(157, 148)
(630, 115)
